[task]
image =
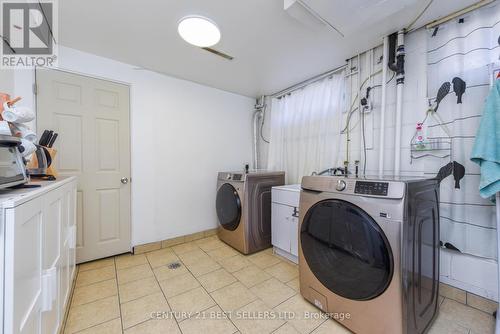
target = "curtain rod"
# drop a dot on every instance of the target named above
(306, 82)
(456, 14)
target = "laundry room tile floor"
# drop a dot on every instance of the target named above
(146, 294)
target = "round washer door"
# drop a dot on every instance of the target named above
(346, 250)
(228, 206)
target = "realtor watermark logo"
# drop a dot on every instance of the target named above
(29, 33)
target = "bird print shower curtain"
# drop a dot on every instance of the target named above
(461, 59)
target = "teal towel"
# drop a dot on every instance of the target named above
(486, 151)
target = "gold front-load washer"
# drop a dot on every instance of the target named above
(243, 205)
(369, 251)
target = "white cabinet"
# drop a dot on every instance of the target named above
(39, 255)
(52, 231)
(285, 220)
(23, 268)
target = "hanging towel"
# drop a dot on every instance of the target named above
(486, 151)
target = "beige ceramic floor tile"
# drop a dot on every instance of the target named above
(155, 326)
(233, 297)
(91, 314)
(263, 260)
(185, 247)
(138, 289)
(111, 327)
(178, 284)
(300, 307)
(187, 304)
(140, 310)
(134, 273)
(95, 275)
(269, 251)
(164, 272)
(331, 327)
(216, 280)
(273, 292)
(97, 264)
(209, 244)
(234, 263)
(283, 271)
(468, 317)
(93, 292)
(222, 252)
(129, 260)
(286, 329)
(194, 256)
(161, 257)
(443, 325)
(294, 284)
(203, 267)
(257, 253)
(251, 276)
(252, 319)
(211, 321)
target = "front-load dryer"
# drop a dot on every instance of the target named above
(369, 251)
(243, 205)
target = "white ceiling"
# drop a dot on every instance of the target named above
(271, 49)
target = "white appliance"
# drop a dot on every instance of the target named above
(38, 245)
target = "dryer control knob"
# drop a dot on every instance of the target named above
(340, 185)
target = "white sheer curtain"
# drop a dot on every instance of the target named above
(305, 128)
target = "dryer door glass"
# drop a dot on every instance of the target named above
(346, 250)
(228, 206)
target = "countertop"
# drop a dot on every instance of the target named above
(10, 198)
(290, 187)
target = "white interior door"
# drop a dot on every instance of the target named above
(91, 117)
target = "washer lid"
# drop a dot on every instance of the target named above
(346, 250)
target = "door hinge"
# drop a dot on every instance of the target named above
(35, 89)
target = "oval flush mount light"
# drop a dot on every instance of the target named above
(199, 31)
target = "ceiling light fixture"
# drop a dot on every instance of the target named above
(199, 31)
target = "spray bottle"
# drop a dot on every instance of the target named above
(420, 137)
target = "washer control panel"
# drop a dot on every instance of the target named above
(371, 188)
(341, 185)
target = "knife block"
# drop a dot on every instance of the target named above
(52, 170)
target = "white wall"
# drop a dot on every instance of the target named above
(182, 134)
(6, 81)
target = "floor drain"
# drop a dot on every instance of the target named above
(174, 265)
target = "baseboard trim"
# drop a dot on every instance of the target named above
(152, 246)
(467, 298)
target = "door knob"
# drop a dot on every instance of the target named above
(124, 180)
